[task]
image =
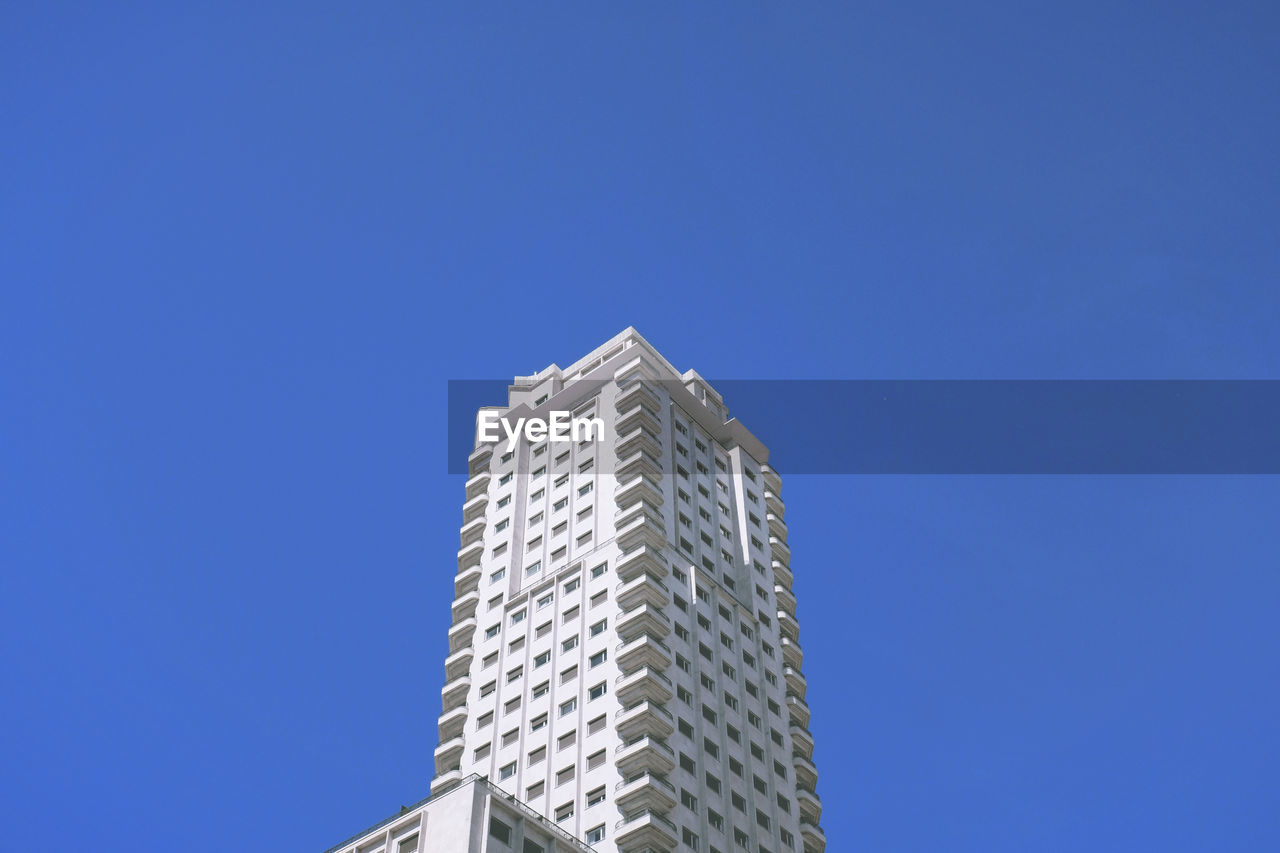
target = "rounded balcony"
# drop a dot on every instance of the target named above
(644, 755)
(644, 718)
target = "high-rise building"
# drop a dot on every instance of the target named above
(624, 661)
(624, 653)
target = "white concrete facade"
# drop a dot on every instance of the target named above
(472, 816)
(624, 655)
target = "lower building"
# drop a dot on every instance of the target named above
(471, 816)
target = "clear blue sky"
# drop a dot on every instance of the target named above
(242, 249)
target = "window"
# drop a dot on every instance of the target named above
(565, 776)
(570, 615)
(599, 627)
(598, 658)
(510, 737)
(564, 812)
(534, 544)
(538, 472)
(491, 632)
(484, 720)
(569, 674)
(542, 659)
(596, 725)
(599, 570)
(569, 707)
(584, 490)
(506, 499)
(595, 797)
(688, 800)
(595, 759)
(597, 691)
(541, 689)
(543, 630)
(514, 674)
(511, 705)
(481, 752)
(518, 617)
(500, 830)
(572, 585)
(687, 764)
(500, 549)
(504, 479)
(534, 519)
(560, 504)
(507, 771)
(546, 600)
(535, 790)
(715, 819)
(583, 539)
(595, 834)
(713, 783)
(599, 598)
(570, 643)
(497, 576)
(516, 645)
(488, 688)
(538, 722)
(690, 840)
(565, 741)
(502, 525)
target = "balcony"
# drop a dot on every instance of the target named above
(815, 840)
(454, 693)
(467, 580)
(646, 683)
(645, 619)
(452, 722)
(772, 481)
(644, 718)
(479, 459)
(643, 651)
(792, 654)
(806, 771)
(464, 606)
(637, 440)
(470, 555)
(478, 485)
(639, 462)
(788, 627)
(639, 560)
(782, 573)
(773, 503)
(460, 634)
(474, 508)
(645, 791)
(644, 755)
(781, 551)
(645, 589)
(641, 529)
(796, 682)
(777, 526)
(786, 598)
(449, 754)
(445, 781)
(810, 805)
(644, 830)
(638, 488)
(472, 531)
(458, 664)
(638, 417)
(801, 740)
(799, 710)
(638, 394)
